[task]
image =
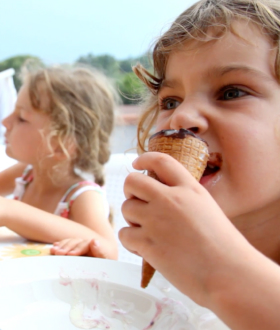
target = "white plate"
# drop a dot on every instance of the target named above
(61, 293)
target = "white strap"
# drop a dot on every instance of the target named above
(85, 188)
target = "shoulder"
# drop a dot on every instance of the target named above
(79, 188)
(86, 200)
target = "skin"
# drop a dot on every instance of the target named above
(79, 246)
(33, 217)
(223, 246)
(25, 126)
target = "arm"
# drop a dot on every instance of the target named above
(83, 247)
(200, 252)
(88, 209)
(35, 224)
(8, 176)
(248, 296)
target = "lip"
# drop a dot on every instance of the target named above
(210, 178)
(215, 160)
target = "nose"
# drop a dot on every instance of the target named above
(7, 122)
(191, 116)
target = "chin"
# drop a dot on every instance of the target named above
(10, 154)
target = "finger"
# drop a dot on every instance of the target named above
(58, 247)
(95, 249)
(141, 186)
(134, 210)
(169, 171)
(66, 245)
(58, 252)
(130, 239)
(81, 248)
(53, 250)
(63, 243)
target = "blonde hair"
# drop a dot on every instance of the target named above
(80, 103)
(194, 24)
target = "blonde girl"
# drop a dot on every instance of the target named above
(60, 128)
(216, 73)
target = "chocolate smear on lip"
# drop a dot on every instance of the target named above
(177, 134)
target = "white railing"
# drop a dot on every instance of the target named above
(8, 96)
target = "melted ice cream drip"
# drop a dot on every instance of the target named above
(171, 315)
(98, 304)
(85, 312)
(93, 303)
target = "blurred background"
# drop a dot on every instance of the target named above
(111, 35)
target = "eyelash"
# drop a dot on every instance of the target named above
(163, 101)
(226, 88)
(21, 120)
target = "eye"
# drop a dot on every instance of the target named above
(168, 104)
(21, 120)
(230, 93)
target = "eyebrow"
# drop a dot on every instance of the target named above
(222, 71)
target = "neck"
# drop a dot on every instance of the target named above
(50, 178)
(262, 230)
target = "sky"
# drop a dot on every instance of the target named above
(60, 31)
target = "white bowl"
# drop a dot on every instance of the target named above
(63, 292)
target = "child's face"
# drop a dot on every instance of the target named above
(227, 92)
(24, 128)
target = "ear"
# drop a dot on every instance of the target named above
(58, 153)
(71, 148)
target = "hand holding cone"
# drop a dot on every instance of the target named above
(189, 150)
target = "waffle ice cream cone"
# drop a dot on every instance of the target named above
(190, 151)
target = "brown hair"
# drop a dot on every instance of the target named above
(194, 24)
(81, 104)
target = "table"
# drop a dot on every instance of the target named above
(14, 246)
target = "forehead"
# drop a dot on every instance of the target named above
(40, 95)
(23, 98)
(39, 118)
(243, 44)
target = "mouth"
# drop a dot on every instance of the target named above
(214, 164)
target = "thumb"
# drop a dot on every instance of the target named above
(96, 250)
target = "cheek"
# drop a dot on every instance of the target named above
(162, 121)
(277, 129)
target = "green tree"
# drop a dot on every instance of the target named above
(127, 64)
(16, 63)
(106, 63)
(130, 88)
(146, 61)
